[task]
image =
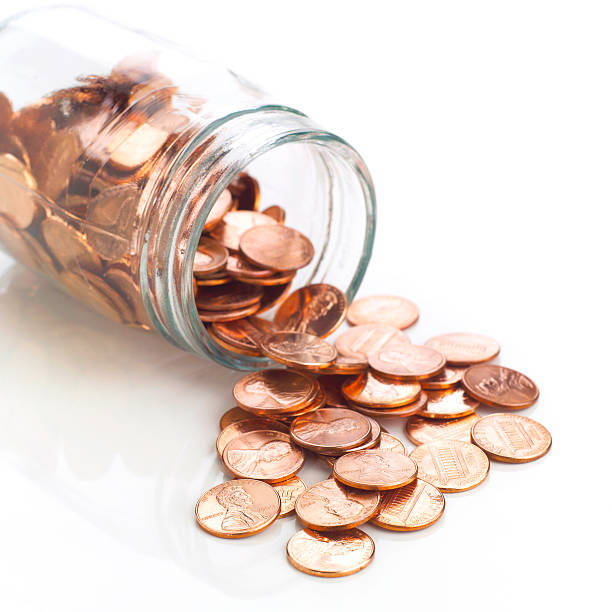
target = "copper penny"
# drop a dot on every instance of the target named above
(276, 212)
(233, 415)
(265, 455)
(464, 349)
(360, 340)
(400, 412)
(330, 386)
(17, 185)
(241, 427)
(372, 441)
(289, 491)
(500, 387)
(390, 310)
(219, 209)
(275, 391)
(336, 429)
(138, 148)
(237, 508)
(391, 443)
(375, 469)
(448, 404)
(217, 316)
(245, 334)
(210, 257)
(330, 506)
(276, 247)
(235, 223)
(314, 309)
(313, 406)
(422, 431)
(58, 156)
(245, 190)
(297, 349)
(449, 378)
(346, 366)
(371, 391)
(232, 296)
(241, 269)
(511, 438)
(330, 555)
(407, 362)
(415, 506)
(451, 465)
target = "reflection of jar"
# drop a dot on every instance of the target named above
(114, 148)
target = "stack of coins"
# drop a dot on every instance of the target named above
(327, 405)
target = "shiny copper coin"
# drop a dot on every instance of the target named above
(289, 491)
(219, 209)
(330, 386)
(139, 147)
(422, 431)
(244, 334)
(400, 412)
(407, 362)
(464, 349)
(235, 223)
(232, 296)
(415, 506)
(276, 247)
(360, 340)
(371, 391)
(448, 404)
(241, 427)
(511, 438)
(336, 429)
(210, 257)
(372, 441)
(275, 391)
(317, 403)
(233, 415)
(241, 269)
(237, 508)
(449, 378)
(390, 310)
(58, 156)
(330, 555)
(17, 185)
(500, 387)
(276, 212)
(265, 455)
(314, 309)
(298, 350)
(245, 190)
(275, 279)
(451, 465)
(218, 316)
(375, 469)
(330, 506)
(391, 443)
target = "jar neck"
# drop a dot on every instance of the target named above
(181, 195)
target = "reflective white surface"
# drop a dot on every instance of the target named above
(488, 134)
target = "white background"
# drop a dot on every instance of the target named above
(487, 128)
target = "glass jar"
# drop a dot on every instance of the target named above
(114, 148)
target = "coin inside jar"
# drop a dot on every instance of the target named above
(464, 349)
(360, 340)
(219, 209)
(235, 223)
(210, 257)
(422, 430)
(298, 350)
(230, 296)
(237, 508)
(278, 213)
(500, 387)
(245, 426)
(371, 391)
(16, 191)
(375, 469)
(265, 455)
(288, 491)
(331, 506)
(335, 429)
(408, 362)
(448, 404)
(390, 310)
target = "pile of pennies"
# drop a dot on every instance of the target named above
(327, 404)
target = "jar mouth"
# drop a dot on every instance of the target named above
(340, 215)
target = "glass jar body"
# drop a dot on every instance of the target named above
(113, 156)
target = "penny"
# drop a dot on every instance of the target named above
(276, 247)
(371, 391)
(408, 362)
(314, 309)
(500, 387)
(17, 197)
(219, 209)
(372, 441)
(391, 443)
(210, 257)
(422, 431)
(464, 349)
(276, 212)
(238, 508)
(390, 310)
(360, 340)
(289, 491)
(451, 465)
(240, 268)
(346, 366)
(97, 282)
(331, 506)
(142, 143)
(330, 555)
(448, 404)
(330, 386)
(511, 438)
(245, 191)
(245, 426)
(275, 391)
(264, 455)
(375, 469)
(231, 296)
(234, 415)
(336, 429)
(400, 412)
(244, 334)
(297, 349)
(216, 316)
(234, 224)
(415, 506)
(447, 379)
(58, 156)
